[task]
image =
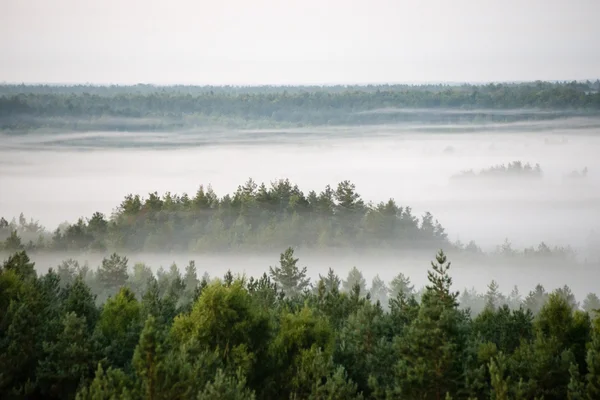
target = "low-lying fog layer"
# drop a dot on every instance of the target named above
(58, 177)
(465, 274)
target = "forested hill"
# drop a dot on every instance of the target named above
(148, 107)
(258, 218)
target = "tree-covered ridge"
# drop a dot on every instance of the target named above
(254, 217)
(259, 218)
(149, 107)
(121, 332)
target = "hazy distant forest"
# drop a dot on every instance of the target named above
(123, 331)
(266, 217)
(147, 107)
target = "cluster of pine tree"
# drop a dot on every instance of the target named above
(257, 218)
(254, 217)
(514, 169)
(125, 333)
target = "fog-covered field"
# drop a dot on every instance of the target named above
(58, 177)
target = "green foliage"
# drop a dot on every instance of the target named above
(331, 282)
(593, 363)
(226, 319)
(299, 335)
(576, 388)
(291, 279)
(429, 352)
(146, 360)
(119, 327)
(268, 218)
(504, 328)
(499, 382)
(79, 299)
(112, 274)
(107, 385)
(69, 361)
(226, 388)
(355, 278)
(242, 338)
(591, 304)
(401, 284)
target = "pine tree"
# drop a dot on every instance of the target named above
(401, 284)
(379, 291)
(591, 304)
(67, 271)
(68, 361)
(21, 264)
(190, 278)
(112, 274)
(118, 328)
(355, 277)
(568, 295)
(291, 279)
(78, 298)
(225, 387)
(593, 364)
(440, 281)
(499, 383)
(430, 350)
(575, 390)
(514, 299)
(331, 281)
(536, 299)
(13, 242)
(146, 360)
(107, 385)
(493, 297)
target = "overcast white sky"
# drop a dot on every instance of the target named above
(297, 42)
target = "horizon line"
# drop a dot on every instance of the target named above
(297, 85)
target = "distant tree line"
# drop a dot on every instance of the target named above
(514, 169)
(147, 107)
(255, 218)
(128, 333)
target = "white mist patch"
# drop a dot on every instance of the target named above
(59, 178)
(465, 274)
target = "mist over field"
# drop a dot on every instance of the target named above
(59, 177)
(55, 178)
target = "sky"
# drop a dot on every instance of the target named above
(243, 42)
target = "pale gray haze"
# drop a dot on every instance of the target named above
(57, 175)
(59, 178)
(297, 42)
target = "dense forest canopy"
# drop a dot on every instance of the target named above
(148, 107)
(121, 331)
